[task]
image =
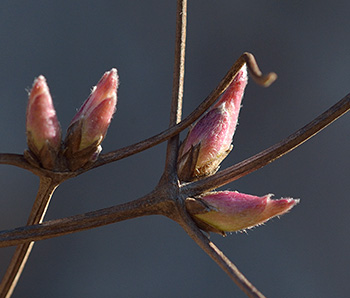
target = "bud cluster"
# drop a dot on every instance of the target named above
(85, 133)
(206, 145)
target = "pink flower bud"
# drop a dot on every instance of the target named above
(89, 126)
(43, 129)
(209, 140)
(232, 211)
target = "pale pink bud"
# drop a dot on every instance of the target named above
(97, 111)
(209, 140)
(89, 126)
(42, 127)
(230, 211)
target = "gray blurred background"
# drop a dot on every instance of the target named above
(72, 43)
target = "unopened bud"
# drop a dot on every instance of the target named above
(229, 211)
(42, 127)
(89, 126)
(209, 140)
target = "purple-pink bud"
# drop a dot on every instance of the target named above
(42, 127)
(209, 140)
(97, 111)
(230, 211)
(89, 126)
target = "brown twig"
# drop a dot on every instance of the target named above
(146, 205)
(179, 63)
(177, 91)
(218, 256)
(19, 259)
(17, 160)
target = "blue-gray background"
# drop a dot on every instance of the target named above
(72, 43)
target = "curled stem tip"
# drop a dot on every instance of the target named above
(261, 79)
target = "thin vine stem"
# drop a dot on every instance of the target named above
(151, 204)
(46, 188)
(179, 63)
(16, 160)
(178, 87)
(218, 256)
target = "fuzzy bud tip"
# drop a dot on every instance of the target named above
(209, 140)
(42, 127)
(233, 211)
